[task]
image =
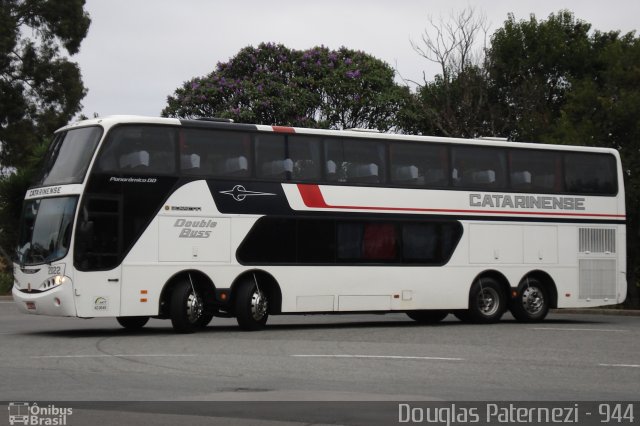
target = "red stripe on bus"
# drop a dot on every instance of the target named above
(283, 129)
(313, 198)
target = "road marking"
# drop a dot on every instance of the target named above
(427, 358)
(620, 365)
(112, 356)
(578, 329)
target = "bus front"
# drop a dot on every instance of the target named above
(43, 262)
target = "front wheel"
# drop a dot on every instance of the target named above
(532, 302)
(186, 308)
(132, 323)
(251, 306)
(487, 301)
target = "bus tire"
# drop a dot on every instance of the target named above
(532, 302)
(251, 306)
(487, 301)
(427, 317)
(186, 308)
(205, 319)
(132, 323)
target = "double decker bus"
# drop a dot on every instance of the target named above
(186, 220)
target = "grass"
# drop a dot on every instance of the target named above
(6, 282)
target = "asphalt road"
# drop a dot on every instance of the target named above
(317, 358)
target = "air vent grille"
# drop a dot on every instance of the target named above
(597, 240)
(597, 278)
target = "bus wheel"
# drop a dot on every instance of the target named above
(186, 308)
(251, 306)
(427, 317)
(532, 302)
(132, 323)
(487, 301)
(205, 319)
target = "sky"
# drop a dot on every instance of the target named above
(138, 52)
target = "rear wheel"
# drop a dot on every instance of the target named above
(427, 317)
(132, 323)
(251, 306)
(487, 302)
(205, 319)
(186, 308)
(532, 302)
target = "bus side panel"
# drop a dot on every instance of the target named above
(382, 288)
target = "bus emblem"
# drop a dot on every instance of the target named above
(239, 193)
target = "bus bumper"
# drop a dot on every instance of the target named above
(58, 301)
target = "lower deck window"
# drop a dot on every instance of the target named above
(275, 240)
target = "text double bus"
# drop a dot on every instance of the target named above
(138, 217)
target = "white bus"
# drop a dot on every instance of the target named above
(186, 220)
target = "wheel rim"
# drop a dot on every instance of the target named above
(488, 301)
(194, 307)
(258, 305)
(532, 300)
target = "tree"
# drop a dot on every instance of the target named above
(41, 90)
(12, 190)
(452, 44)
(272, 84)
(603, 109)
(458, 107)
(531, 65)
(455, 103)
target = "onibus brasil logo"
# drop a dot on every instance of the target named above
(31, 414)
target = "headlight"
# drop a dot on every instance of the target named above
(53, 282)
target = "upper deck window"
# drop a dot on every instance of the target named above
(535, 171)
(478, 168)
(417, 164)
(139, 150)
(69, 156)
(215, 153)
(587, 173)
(287, 158)
(354, 161)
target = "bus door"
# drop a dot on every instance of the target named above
(97, 256)
(97, 294)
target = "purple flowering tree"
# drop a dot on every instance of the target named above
(272, 84)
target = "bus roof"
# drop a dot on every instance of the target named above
(113, 120)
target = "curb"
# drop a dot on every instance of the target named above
(7, 297)
(598, 311)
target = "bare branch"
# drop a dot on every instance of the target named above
(452, 44)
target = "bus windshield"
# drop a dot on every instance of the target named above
(45, 231)
(69, 156)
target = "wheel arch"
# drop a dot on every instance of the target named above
(545, 279)
(266, 282)
(201, 281)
